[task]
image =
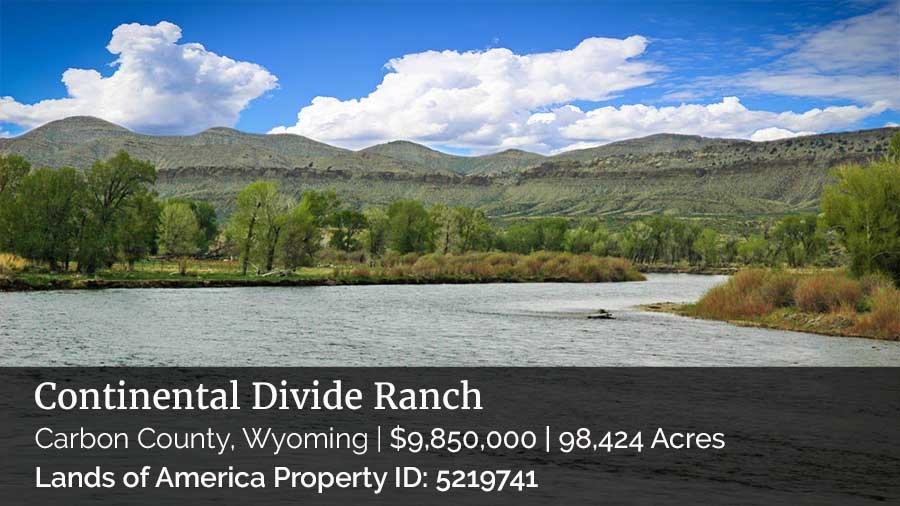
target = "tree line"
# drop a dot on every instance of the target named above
(110, 213)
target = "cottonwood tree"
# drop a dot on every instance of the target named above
(473, 232)
(321, 204)
(863, 206)
(111, 186)
(375, 236)
(301, 239)
(47, 215)
(347, 225)
(798, 239)
(12, 169)
(707, 246)
(257, 222)
(179, 233)
(411, 229)
(138, 229)
(207, 220)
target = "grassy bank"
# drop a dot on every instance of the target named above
(408, 269)
(831, 303)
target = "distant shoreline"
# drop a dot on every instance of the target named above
(50, 283)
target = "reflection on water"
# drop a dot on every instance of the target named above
(434, 325)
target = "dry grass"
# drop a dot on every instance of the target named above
(884, 319)
(11, 264)
(825, 302)
(823, 293)
(495, 266)
(744, 295)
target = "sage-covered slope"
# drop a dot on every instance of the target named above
(676, 174)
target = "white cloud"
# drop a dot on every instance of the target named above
(5, 135)
(491, 100)
(728, 118)
(892, 124)
(474, 99)
(159, 86)
(775, 133)
(856, 59)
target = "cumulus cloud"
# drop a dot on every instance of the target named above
(159, 86)
(495, 99)
(728, 118)
(775, 133)
(474, 98)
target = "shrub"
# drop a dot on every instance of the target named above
(361, 272)
(779, 289)
(11, 264)
(748, 294)
(884, 319)
(871, 283)
(728, 302)
(821, 293)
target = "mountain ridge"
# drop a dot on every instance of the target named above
(682, 175)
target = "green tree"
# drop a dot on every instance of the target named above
(863, 207)
(547, 234)
(473, 232)
(321, 204)
(179, 233)
(798, 239)
(588, 236)
(207, 220)
(346, 227)
(47, 215)
(13, 169)
(138, 229)
(707, 246)
(257, 222)
(441, 218)
(894, 149)
(754, 250)
(375, 236)
(111, 187)
(301, 238)
(411, 229)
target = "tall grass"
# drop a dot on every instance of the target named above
(868, 306)
(11, 264)
(823, 293)
(884, 319)
(495, 266)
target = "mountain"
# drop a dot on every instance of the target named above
(724, 180)
(649, 145)
(410, 152)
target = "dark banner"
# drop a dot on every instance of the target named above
(449, 436)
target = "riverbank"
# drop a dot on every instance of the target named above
(827, 303)
(538, 267)
(722, 270)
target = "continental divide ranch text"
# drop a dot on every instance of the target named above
(330, 395)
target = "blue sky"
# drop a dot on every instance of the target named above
(471, 76)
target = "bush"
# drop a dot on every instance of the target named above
(779, 289)
(750, 293)
(497, 266)
(884, 319)
(728, 302)
(11, 264)
(871, 283)
(822, 293)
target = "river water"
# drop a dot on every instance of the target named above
(426, 325)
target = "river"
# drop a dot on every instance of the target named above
(410, 325)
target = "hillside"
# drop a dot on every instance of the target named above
(710, 179)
